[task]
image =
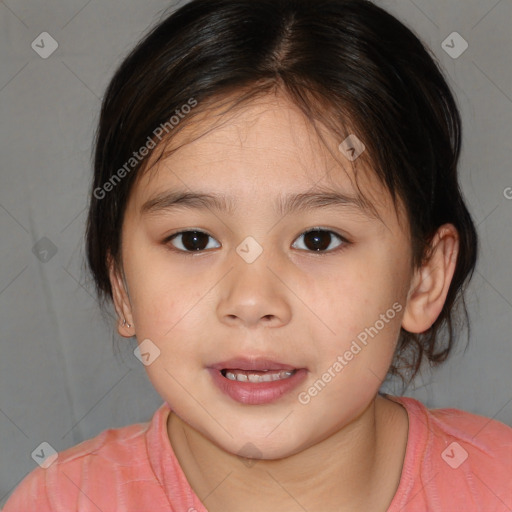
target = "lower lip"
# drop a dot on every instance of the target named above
(257, 393)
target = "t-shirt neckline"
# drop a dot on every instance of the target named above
(170, 475)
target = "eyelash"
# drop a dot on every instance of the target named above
(343, 245)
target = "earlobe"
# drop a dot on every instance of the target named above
(121, 300)
(431, 282)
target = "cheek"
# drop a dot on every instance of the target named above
(161, 295)
(154, 305)
(363, 349)
(358, 312)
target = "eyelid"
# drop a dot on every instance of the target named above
(183, 231)
(328, 230)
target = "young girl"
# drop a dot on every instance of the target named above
(277, 218)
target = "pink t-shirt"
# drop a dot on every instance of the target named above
(455, 461)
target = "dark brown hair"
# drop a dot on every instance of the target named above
(343, 60)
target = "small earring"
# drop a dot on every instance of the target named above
(124, 323)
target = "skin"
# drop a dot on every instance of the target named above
(344, 449)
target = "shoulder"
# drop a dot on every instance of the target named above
(454, 458)
(94, 467)
(488, 440)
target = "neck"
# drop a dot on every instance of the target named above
(349, 470)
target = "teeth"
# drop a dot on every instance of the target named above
(267, 376)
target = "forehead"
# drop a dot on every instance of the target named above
(266, 144)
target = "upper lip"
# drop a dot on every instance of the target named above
(254, 363)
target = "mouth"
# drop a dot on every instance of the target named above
(255, 381)
(257, 376)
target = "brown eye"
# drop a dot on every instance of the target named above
(191, 241)
(320, 240)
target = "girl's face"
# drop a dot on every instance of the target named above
(258, 294)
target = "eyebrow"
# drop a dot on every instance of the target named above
(290, 203)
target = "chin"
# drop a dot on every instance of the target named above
(260, 447)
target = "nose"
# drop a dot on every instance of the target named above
(254, 296)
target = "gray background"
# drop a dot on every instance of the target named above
(60, 379)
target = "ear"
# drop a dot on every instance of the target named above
(125, 326)
(431, 282)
